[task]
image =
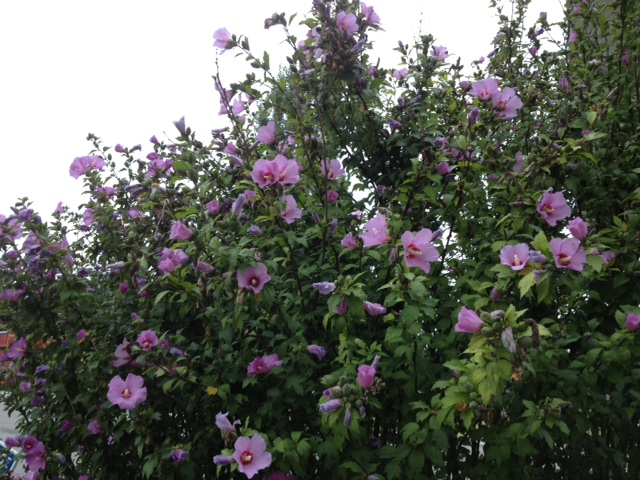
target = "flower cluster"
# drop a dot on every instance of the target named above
(279, 170)
(505, 102)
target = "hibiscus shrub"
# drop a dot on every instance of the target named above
(398, 273)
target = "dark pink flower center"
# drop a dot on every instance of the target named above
(516, 261)
(246, 457)
(564, 260)
(414, 251)
(268, 177)
(548, 208)
(126, 393)
(255, 281)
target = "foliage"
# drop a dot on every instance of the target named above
(546, 387)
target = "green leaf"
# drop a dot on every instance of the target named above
(540, 242)
(352, 466)
(160, 296)
(526, 282)
(476, 342)
(181, 166)
(596, 262)
(594, 136)
(150, 466)
(418, 290)
(409, 429)
(410, 314)
(416, 460)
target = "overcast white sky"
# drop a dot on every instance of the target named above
(125, 69)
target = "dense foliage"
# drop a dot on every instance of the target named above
(370, 273)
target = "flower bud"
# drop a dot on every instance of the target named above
(347, 416)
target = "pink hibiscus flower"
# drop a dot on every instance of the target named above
(553, 207)
(515, 256)
(468, 322)
(376, 231)
(127, 394)
(261, 365)
(567, 253)
(418, 249)
(251, 455)
(254, 278)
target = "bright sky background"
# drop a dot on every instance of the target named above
(125, 69)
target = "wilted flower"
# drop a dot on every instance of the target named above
(374, 308)
(317, 350)
(348, 416)
(223, 423)
(222, 460)
(508, 341)
(325, 288)
(330, 406)
(204, 267)
(180, 125)
(342, 308)
(291, 211)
